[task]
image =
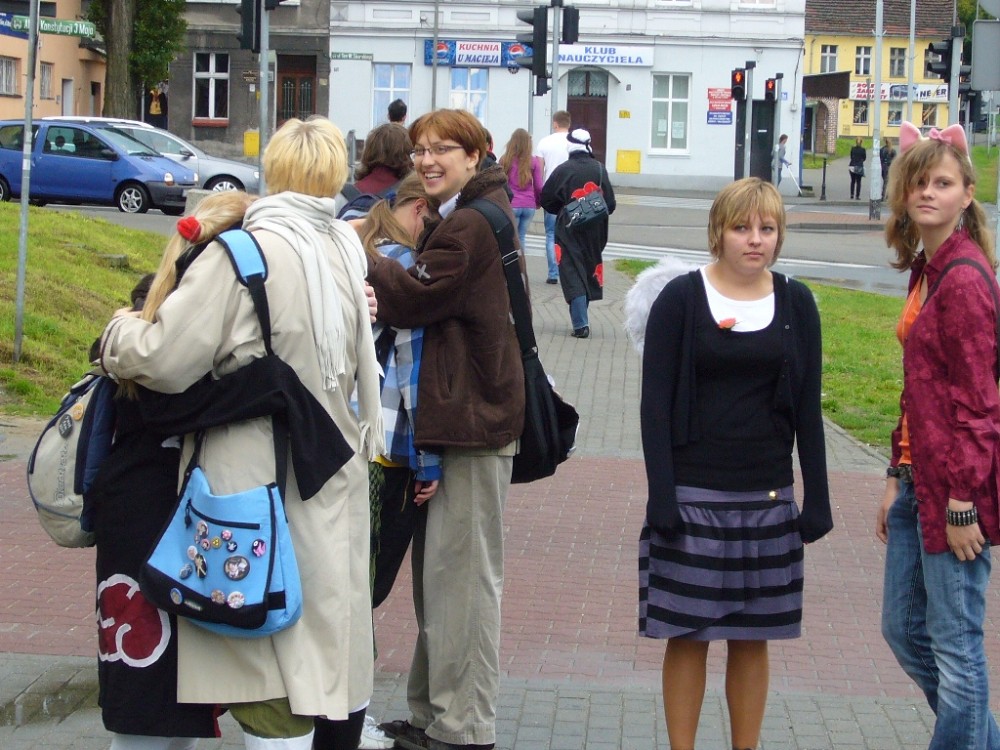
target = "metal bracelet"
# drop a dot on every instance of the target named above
(961, 517)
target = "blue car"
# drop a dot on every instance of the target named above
(76, 163)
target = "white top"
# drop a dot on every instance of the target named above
(750, 315)
(554, 149)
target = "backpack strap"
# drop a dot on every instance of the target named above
(250, 266)
(251, 270)
(990, 282)
(503, 229)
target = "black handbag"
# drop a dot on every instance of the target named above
(583, 210)
(550, 424)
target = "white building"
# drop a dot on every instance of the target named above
(649, 78)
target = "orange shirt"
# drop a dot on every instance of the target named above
(910, 311)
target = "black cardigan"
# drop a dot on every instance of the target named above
(669, 385)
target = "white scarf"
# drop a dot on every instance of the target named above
(303, 221)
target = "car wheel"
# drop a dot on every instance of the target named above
(4, 190)
(172, 210)
(132, 198)
(222, 183)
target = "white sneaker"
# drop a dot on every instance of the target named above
(373, 738)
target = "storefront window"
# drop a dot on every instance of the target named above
(861, 113)
(468, 91)
(928, 118)
(671, 106)
(895, 114)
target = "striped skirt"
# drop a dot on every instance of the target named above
(734, 572)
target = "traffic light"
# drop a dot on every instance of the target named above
(942, 66)
(770, 89)
(539, 19)
(570, 25)
(738, 84)
(249, 35)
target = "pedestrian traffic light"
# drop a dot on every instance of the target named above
(249, 35)
(941, 67)
(570, 25)
(738, 84)
(770, 89)
(539, 19)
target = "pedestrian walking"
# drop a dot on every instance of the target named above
(939, 512)
(856, 168)
(553, 151)
(525, 179)
(886, 154)
(579, 246)
(730, 382)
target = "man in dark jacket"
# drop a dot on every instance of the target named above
(579, 248)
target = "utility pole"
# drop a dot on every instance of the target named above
(263, 110)
(875, 183)
(748, 120)
(911, 57)
(957, 41)
(26, 147)
(556, 17)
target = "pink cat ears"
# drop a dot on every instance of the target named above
(953, 134)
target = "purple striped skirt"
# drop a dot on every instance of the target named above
(734, 572)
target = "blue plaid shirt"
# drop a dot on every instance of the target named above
(399, 351)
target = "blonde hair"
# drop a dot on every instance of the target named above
(306, 156)
(382, 224)
(737, 203)
(215, 214)
(519, 150)
(906, 171)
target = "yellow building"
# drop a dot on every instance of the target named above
(839, 37)
(69, 79)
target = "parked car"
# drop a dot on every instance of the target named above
(73, 162)
(216, 173)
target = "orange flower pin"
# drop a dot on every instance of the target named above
(726, 323)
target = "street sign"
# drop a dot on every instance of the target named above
(58, 26)
(250, 76)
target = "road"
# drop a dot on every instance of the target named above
(832, 242)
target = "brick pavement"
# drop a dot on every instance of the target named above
(575, 675)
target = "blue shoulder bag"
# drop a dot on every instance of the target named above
(226, 562)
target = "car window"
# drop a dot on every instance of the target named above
(130, 145)
(66, 140)
(156, 141)
(12, 136)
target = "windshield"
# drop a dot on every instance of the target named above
(124, 141)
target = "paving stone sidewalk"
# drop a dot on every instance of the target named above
(575, 674)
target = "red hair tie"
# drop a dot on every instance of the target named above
(189, 228)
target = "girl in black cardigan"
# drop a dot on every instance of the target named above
(731, 381)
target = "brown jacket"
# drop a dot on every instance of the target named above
(471, 387)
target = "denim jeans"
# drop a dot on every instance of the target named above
(550, 245)
(933, 610)
(578, 312)
(524, 217)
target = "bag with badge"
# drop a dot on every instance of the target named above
(226, 562)
(588, 206)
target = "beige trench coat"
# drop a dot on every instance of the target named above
(324, 662)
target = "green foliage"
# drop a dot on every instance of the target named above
(862, 362)
(70, 293)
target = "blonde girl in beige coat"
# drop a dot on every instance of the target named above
(322, 665)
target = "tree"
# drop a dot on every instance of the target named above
(141, 38)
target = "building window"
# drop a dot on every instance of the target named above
(928, 117)
(759, 3)
(895, 118)
(828, 59)
(897, 62)
(671, 107)
(8, 75)
(211, 85)
(863, 61)
(45, 81)
(861, 112)
(468, 91)
(392, 82)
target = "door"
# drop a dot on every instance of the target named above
(587, 104)
(762, 140)
(67, 96)
(72, 164)
(296, 87)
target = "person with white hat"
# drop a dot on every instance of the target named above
(579, 245)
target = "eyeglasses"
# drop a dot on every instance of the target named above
(439, 149)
